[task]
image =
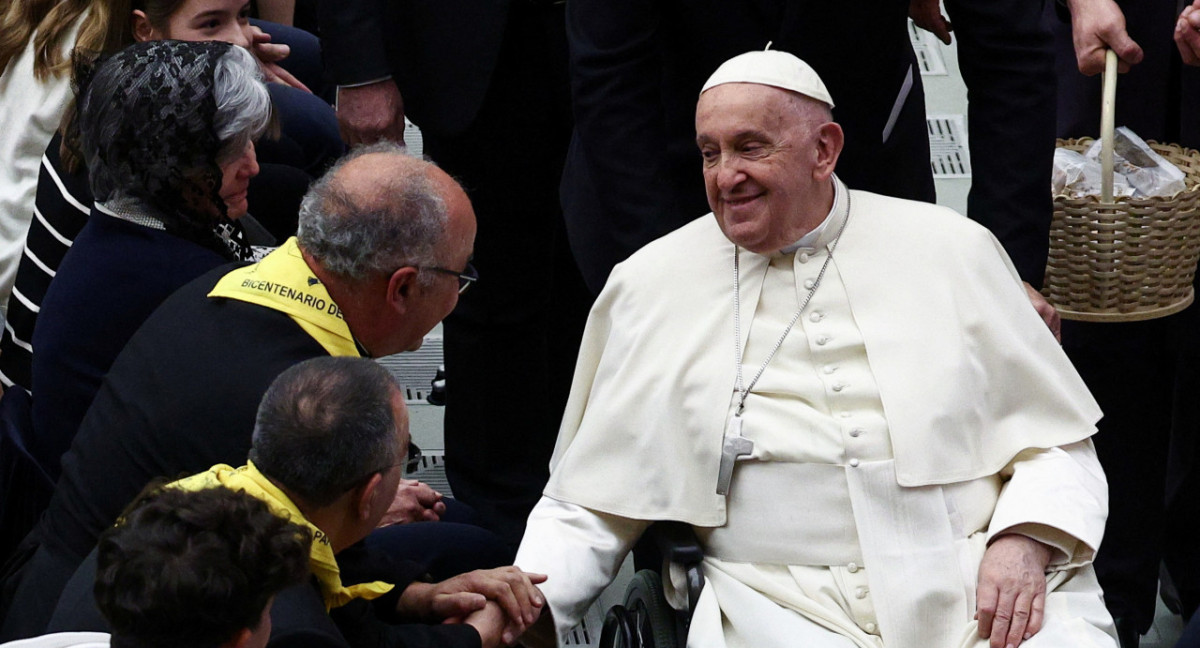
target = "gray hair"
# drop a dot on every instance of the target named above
(325, 426)
(357, 236)
(243, 102)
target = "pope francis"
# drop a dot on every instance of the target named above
(849, 397)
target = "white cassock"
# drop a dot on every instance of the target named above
(918, 408)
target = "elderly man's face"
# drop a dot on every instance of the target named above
(762, 165)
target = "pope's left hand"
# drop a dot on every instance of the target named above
(1011, 595)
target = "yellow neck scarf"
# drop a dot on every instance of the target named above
(321, 561)
(282, 281)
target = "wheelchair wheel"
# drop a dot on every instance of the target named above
(645, 621)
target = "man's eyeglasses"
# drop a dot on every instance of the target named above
(411, 463)
(412, 460)
(465, 278)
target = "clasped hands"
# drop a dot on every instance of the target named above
(499, 603)
(414, 502)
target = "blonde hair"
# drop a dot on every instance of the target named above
(106, 29)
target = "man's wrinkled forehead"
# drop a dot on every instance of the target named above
(771, 68)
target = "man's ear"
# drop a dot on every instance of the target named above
(366, 494)
(239, 640)
(830, 140)
(401, 287)
(142, 29)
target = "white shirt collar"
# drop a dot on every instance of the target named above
(810, 239)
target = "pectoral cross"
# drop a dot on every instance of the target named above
(735, 446)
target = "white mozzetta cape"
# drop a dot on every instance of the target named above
(968, 374)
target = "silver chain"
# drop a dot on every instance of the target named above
(737, 316)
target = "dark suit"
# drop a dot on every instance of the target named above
(1144, 374)
(486, 82)
(1006, 57)
(637, 66)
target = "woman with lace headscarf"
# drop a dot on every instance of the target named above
(167, 131)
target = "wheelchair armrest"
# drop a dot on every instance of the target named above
(678, 544)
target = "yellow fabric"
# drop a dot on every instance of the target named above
(282, 281)
(321, 561)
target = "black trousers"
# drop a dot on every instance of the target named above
(511, 343)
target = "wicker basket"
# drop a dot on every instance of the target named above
(1133, 259)
(1123, 259)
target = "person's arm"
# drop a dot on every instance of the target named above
(1097, 25)
(580, 551)
(369, 105)
(1050, 515)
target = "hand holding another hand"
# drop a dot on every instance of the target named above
(461, 600)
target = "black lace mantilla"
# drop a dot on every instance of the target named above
(147, 116)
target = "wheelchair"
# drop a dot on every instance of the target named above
(646, 620)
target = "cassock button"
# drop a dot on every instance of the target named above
(856, 432)
(822, 339)
(854, 464)
(838, 387)
(870, 627)
(809, 283)
(852, 567)
(817, 316)
(860, 592)
(828, 369)
(802, 257)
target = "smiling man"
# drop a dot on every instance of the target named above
(876, 439)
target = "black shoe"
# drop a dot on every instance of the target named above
(1127, 632)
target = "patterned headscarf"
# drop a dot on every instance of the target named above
(146, 125)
